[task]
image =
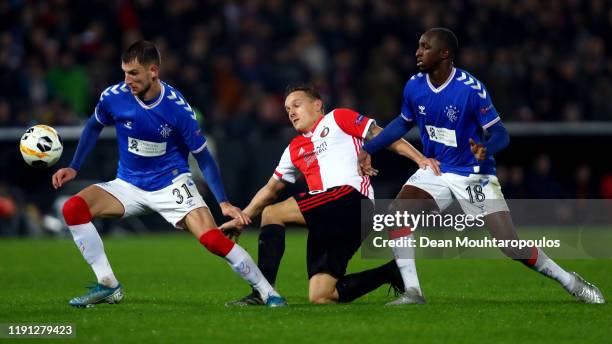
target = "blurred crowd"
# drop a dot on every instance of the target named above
(541, 60)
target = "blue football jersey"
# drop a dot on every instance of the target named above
(154, 139)
(448, 116)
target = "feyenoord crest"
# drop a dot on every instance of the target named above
(325, 132)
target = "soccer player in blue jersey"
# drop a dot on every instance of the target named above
(453, 111)
(156, 130)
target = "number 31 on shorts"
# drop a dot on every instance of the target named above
(182, 192)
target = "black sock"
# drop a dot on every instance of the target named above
(355, 285)
(271, 250)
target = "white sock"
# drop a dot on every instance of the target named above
(548, 267)
(88, 241)
(243, 264)
(404, 258)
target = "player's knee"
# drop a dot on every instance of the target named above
(321, 298)
(76, 211)
(322, 291)
(271, 215)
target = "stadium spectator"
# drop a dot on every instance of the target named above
(257, 42)
(541, 182)
(583, 186)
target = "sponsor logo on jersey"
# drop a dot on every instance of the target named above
(165, 131)
(422, 110)
(326, 131)
(146, 148)
(309, 157)
(128, 124)
(442, 135)
(359, 120)
(451, 112)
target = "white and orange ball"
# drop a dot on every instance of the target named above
(41, 146)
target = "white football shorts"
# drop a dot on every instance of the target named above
(477, 193)
(173, 202)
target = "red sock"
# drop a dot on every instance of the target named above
(216, 242)
(534, 257)
(399, 233)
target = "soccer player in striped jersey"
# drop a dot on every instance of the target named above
(156, 130)
(325, 152)
(453, 110)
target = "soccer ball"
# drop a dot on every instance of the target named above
(41, 146)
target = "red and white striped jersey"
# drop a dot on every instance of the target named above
(327, 156)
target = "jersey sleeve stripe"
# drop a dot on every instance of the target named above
(357, 143)
(278, 174)
(491, 123)
(367, 127)
(405, 118)
(201, 148)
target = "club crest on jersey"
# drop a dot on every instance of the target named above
(451, 112)
(165, 131)
(422, 110)
(325, 131)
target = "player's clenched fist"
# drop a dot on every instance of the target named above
(479, 150)
(63, 175)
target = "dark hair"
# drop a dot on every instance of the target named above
(310, 91)
(447, 36)
(144, 52)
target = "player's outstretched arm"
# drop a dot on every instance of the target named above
(404, 148)
(401, 147)
(265, 196)
(382, 139)
(211, 173)
(88, 140)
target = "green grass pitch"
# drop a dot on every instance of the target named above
(175, 293)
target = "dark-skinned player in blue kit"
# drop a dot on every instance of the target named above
(453, 111)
